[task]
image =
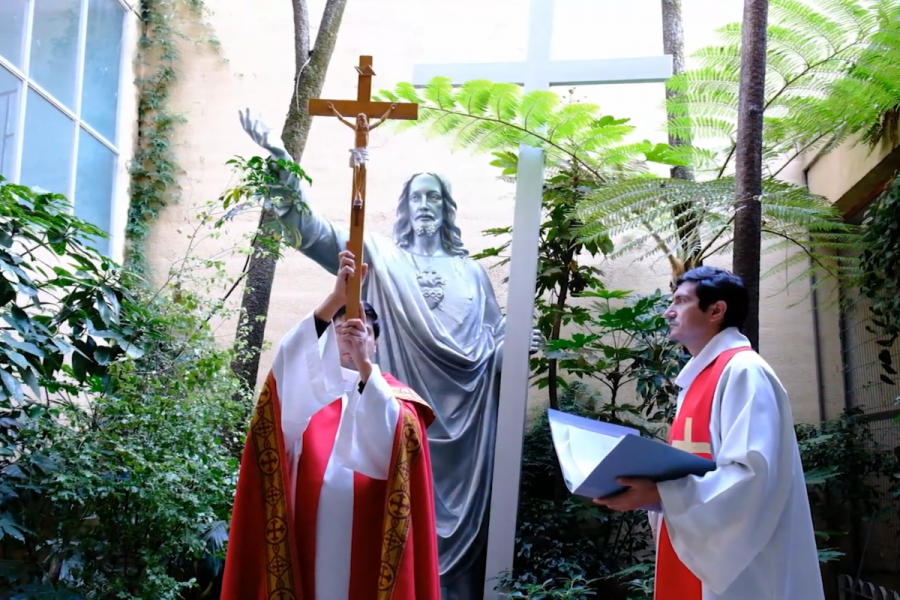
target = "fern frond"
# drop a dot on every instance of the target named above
(809, 22)
(811, 47)
(483, 116)
(643, 208)
(866, 99)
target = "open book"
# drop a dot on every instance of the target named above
(592, 454)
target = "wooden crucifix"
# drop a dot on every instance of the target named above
(360, 111)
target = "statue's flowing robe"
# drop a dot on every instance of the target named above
(451, 357)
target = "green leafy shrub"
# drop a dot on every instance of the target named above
(114, 479)
(843, 465)
(567, 547)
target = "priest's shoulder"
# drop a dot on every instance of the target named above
(752, 364)
(403, 392)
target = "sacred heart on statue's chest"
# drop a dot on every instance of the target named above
(447, 286)
(432, 285)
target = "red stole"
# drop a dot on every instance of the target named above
(394, 552)
(689, 432)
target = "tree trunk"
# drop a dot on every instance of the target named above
(748, 159)
(311, 66)
(685, 218)
(311, 69)
(673, 44)
(553, 364)
(255, 298)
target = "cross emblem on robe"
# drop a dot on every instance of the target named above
(268, 461)
(360, 111)
(399, 505)
(688, 444)
(386, 577)
(275, 530)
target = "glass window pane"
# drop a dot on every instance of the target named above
(47, 153)
(12, 29)
(94, 184)
(54, 47)
(10, 88)
(103, 55)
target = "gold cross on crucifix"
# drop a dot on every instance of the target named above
(360, 111)
(688, 444)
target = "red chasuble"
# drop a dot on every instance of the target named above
(689, 432)
(394, 548)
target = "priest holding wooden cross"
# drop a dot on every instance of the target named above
(335, 499)
(446, 330)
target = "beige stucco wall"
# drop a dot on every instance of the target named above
(850, 173)
(849, 176)
(255, 69)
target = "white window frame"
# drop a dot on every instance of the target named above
(126, 115)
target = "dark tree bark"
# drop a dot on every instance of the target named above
(673, 44)
(748, 158)
(685, 218)
(311, 66)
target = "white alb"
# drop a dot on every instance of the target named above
(745, 529)
(309, 377)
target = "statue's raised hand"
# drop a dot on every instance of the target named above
(259, 133)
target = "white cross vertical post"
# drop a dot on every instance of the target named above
(538, 72)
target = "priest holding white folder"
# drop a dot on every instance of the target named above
(744, 530)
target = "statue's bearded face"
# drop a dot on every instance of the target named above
(426, 205)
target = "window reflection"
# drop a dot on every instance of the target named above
(13, 14)
(94, 184)
(54, 47)
(102, 59)
(10, 88)
(47, 152)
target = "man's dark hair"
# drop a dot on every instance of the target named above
(714, 285)
(371, 317)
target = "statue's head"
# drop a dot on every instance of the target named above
(426, 209)
(361, 121)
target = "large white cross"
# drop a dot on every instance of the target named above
(538, 72)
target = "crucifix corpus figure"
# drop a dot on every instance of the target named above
(364, 109)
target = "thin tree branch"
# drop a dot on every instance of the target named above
(798, 154)
(715, 237)
(812, 257)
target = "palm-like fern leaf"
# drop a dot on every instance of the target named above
(495, 117)
(811, 47)
(792, 218)
(867, 99)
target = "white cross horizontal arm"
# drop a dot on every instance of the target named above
(645, 69)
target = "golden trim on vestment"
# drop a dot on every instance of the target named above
(264, 433)
(397, 514)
